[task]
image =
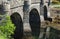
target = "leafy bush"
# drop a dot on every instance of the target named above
(6, 28)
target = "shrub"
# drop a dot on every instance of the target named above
(6, 28)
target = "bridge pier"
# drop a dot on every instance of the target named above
(26, 16)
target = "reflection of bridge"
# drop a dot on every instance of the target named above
(28, 13)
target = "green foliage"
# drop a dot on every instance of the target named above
(6, 28)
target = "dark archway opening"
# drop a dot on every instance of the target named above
(16, 19)
(45, 13)
(34, 20)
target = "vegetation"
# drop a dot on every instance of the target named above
(55, 1)
(6, 28)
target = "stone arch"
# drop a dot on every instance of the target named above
(17, 20)
(45, 13)
(34, 20)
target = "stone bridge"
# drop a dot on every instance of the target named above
(27, 15)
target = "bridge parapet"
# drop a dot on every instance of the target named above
(14, 3)
(35, 1)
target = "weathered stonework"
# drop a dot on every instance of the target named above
(23, 8)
